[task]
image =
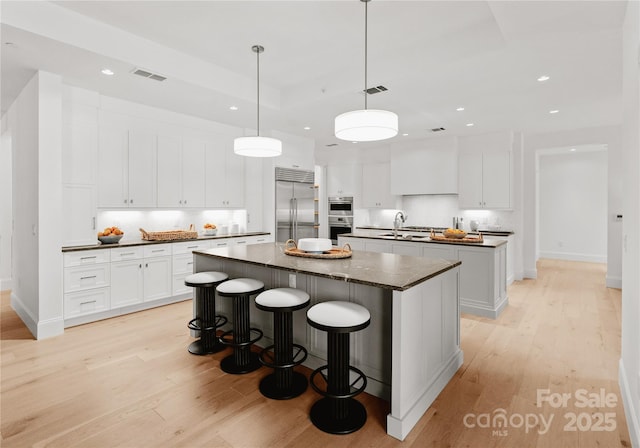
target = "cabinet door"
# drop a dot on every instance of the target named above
(169, 172)
(79, 153)
(142, 169)
(496, 179)
(157, 278)
(215, 181)
(470, 180)
(126, 283)
(78, 215)
(376, 186)
(113, 165)
(407, 249)
(343, 180)
(193, 173)
(235, 180)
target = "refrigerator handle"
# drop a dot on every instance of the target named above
(291, 228)
(295, 218)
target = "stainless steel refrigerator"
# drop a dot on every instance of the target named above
(296, 205)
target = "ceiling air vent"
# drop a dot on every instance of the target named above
(148, 74)
(437, 129)
(372, 90)
(331, 144)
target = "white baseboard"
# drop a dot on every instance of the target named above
(570, 256)
(530, 273)
(630, 412)
(39, 329)
(614, 282)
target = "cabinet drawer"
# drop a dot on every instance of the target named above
(157, 250)
(126, 253)
(216, 244)
(188, 247)
(183, 264)
(78, 278)
(86, 302)
(84, 257)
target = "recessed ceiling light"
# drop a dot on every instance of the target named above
(554, 111)
(543, 78)
(460, 109)
(354, 142)
(306, 128)
(106, 71)
(404, 135)
(470, 124)
(573, 150)
(233, 107)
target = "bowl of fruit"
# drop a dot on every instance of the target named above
(454, 233)
(110, 235)
(210, 229)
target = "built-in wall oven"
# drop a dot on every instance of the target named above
(340, 213)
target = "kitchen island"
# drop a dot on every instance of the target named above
(410, 350)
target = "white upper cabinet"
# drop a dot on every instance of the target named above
(126, 167)
(375, 186)
(344, 180)
(424, 167)
(485, 172)
(225, 175)
(181, 172)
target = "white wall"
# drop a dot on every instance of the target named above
(629, 372)
(573, 206)
(6, 215)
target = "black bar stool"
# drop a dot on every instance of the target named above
(338, 412)
(206, 321)
(243, 360)
(283, 383)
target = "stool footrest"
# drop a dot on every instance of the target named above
(355, 391)
(194, 324)
(294, 361)
(227, 341)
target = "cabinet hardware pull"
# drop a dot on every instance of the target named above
(86, 303)
(130, 201)
(241, 242)
(192, 247)
(88, 277)
(146, 265)
(185, 202)
(125, 201)
(94, 223)
(221, 244)
(158, 250)
(140, 266)
(87, 258)
(126, 253)
(191, 262)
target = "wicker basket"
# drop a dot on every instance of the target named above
(170, 235)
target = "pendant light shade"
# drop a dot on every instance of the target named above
(366, 125)
(257, 146)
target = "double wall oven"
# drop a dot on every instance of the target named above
(340, 213)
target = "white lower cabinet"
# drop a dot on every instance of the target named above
(157, 278)
(86, 282)
(91, 301)
(127, 283)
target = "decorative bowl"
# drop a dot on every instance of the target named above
(314, 245)
(454, 233)
(110, 239)
(210, 232)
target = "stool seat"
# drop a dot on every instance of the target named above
(338, 316)
(205, 279)
(238, 286)
(282, 299)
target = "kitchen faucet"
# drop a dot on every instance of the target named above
(400, 216)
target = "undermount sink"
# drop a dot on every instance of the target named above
(405, 237)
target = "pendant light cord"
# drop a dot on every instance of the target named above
(258, 89)
(366, 3)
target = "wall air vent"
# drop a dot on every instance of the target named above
(148, 74)
(437, 129)
(372, 90)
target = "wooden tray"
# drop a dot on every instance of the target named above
(291, 248)
(170, 235)
(466, 239)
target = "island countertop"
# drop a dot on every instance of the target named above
(386, 271)
(423, 238)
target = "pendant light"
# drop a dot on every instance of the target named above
(257, 146)
(366, 125)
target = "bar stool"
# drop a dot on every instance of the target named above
(283, 383)
(243, 360)
(338, 412)
(206, 321)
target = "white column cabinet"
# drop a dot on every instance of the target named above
(484, 180)
(376, 186)
(224, 183)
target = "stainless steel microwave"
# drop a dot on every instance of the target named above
(340, 206)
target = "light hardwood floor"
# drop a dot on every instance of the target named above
(130, 382)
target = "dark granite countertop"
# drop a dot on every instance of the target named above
(487, 242)
(387, 271)
(427, 229)
(144, 242)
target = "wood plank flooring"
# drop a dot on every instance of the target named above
(130, 382)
